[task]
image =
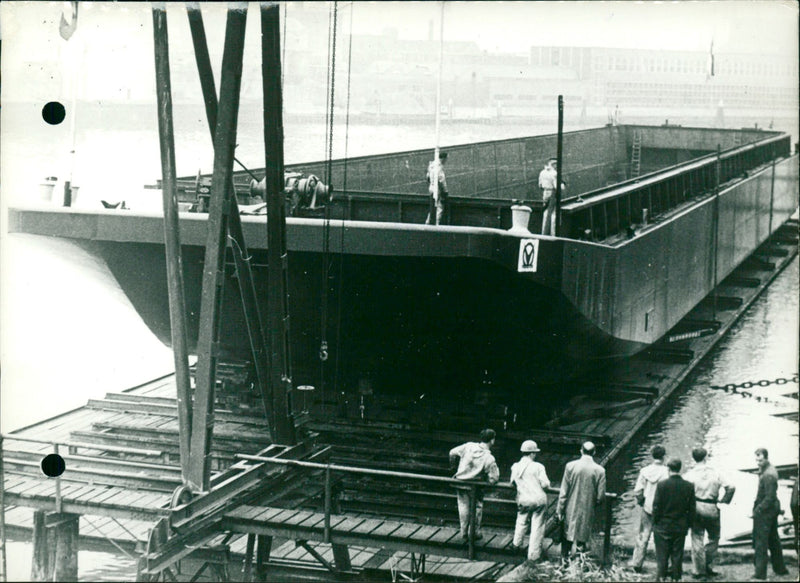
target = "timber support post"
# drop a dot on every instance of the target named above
(263, 550)
(280, 375)
(177, 302)
(55, 546)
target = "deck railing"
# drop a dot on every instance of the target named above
(604, 212)
(473, 486)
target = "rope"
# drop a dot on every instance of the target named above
(323, 347)
(341, 229)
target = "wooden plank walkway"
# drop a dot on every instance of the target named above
(351, 530)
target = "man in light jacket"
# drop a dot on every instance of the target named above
(707, 485)
(530, 479)
(582, 489)
(475, 462)
(644, 491)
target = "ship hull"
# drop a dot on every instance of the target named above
(412, 308)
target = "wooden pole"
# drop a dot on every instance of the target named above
(177, 303)
(44, 549)
(216, 241)
(717, 171)
(66, 543)
(559, 144)
(247, 288)
(263, 550)
(278, 303)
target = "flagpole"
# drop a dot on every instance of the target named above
(67, 29)
(72, 130)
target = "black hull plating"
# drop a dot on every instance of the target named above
(417, 325)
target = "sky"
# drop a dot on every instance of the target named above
(118, 36)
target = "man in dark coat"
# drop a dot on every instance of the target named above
(765, 519)
(673, 513)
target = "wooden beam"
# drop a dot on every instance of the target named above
(247, 288)
(278, 310)
(177, 304)
(211, 295)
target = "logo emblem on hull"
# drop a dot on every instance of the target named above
(528, 255)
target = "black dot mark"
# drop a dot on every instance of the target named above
(53, 465)
(53, 113)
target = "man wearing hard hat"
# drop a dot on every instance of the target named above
(530, 479)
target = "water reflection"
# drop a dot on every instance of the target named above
(763, 344)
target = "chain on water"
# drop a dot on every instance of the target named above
(734, 389)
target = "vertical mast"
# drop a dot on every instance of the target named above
(435, 177)
(559, 170)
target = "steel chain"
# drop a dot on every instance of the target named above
(733, 388)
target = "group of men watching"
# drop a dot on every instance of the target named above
(583, 488)
(671, 505)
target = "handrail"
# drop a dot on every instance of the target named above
(619, 188)
(473, 485)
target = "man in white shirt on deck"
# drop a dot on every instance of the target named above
(437, 186)
(707, 485)
(645, 491)
(548, 178)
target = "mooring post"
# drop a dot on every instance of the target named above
(177, 303)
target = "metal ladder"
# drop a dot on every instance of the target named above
(636, 154)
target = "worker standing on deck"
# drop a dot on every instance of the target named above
(437, 187)
(582, 489)
(547, 182)
(644, 492)
(530, 479)
(707, 484)
(673, 514)
(475, 462)
(766, 510)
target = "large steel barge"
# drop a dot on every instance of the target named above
(652, 220)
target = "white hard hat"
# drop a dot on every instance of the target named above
(529, 446)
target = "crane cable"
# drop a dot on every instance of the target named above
(340, 277)
(323, 347)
